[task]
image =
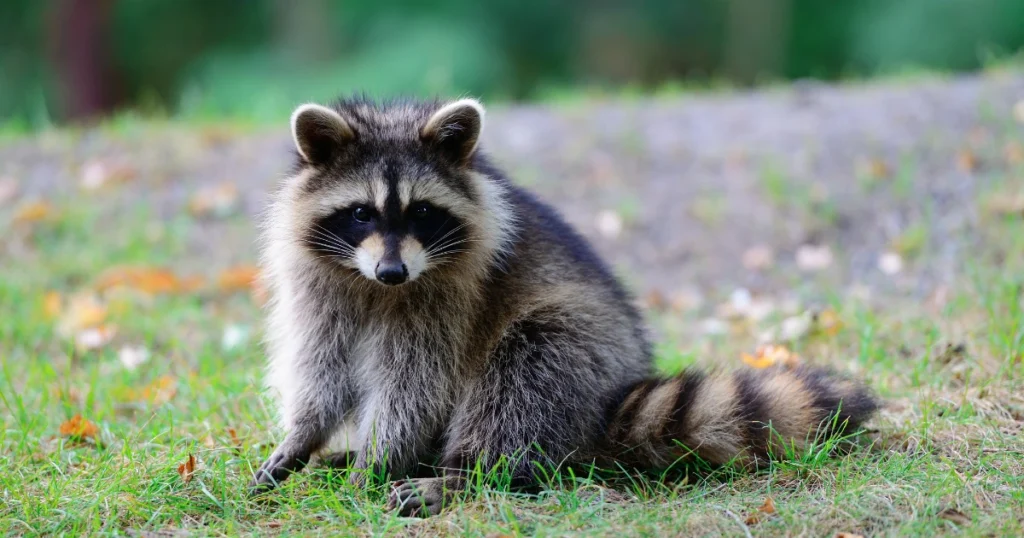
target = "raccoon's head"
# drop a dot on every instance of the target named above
(391, 191)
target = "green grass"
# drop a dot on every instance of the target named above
(947, 446)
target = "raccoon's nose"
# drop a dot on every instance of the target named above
(392, 273)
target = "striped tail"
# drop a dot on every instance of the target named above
(745, 417)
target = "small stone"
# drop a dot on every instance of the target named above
(890, 263)
(813, 257)
(609, 224)
(758, 258)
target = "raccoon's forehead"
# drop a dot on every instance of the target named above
(384, 185)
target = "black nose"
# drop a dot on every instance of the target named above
(392, 273)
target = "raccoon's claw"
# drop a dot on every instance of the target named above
(273, 471)
(422, 497)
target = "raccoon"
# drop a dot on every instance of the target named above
(424, 309)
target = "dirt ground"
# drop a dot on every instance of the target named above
(687, 196)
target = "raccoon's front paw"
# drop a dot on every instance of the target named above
(423, 497)
(280, 464)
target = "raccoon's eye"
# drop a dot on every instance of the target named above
(421, 211)
(361, 214)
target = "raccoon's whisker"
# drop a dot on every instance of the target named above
(331, 236)
(450, 232)
(333, 249)
(445, 223)
(326, 235)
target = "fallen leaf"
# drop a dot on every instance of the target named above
(768, 355)
(609, 224)
(966, 160)
(151, 280)
(98, 173)
(848, 535)
(216, 201)
(828, 322)
(758, 258)
(83, 311)
(78, 429)
(209, 441)
(954, 515)
(766, 509)
(158, 392)
(813, 257)
(8, 190)
(33, 211)
(874, 169)
(1006, 204)
(187, 469)
(234, 437)
(655, 300)
(52, 304)
(238, 278)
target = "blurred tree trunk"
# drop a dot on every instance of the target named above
(79, 43)
(755, 40)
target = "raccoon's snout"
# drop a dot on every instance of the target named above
(392, 273)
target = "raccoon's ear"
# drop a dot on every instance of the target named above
(319, 133)
(455, 129)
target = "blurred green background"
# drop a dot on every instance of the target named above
(71, 59)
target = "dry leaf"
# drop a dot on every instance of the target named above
(828, 322)
(874, 169)
(83, 311)
(158, 392)
(52, 304)
(209, 441)
(187, 469)
(150, 280)
(1006, 204)
(8, 190)
(766, 509)
(655, 300)
(769, 355)
(966, 161)
(848, 535)
(238, 278)
(234, 437)
(34, 211)
(78, 429)
(217, 201)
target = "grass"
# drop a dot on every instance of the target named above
(945, 456)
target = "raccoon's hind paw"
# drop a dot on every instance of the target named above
(422, 497)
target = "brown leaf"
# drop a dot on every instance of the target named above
(238, 278)
(770, 355)
(847, 535)
(234, 437)
(34, 211)
(655, 300)
(954, 515)
(158, 392)
(766, 509)
(966, 160)
(83, 311)
(187, 469)
(874, 169)
(78, 429)
(151, 280)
